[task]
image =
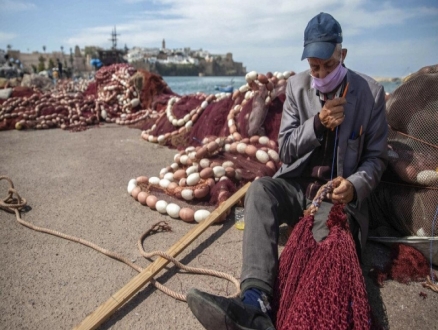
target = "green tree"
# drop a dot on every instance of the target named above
(34, 68)
(51, 64)
(71, 57)
(91, 50)
(41, 63)
(44, 49)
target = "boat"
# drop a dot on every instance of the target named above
(224, 89)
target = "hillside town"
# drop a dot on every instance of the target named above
(184, 61)
(80, 62)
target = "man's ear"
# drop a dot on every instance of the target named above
(344, 53)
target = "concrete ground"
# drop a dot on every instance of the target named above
(76, 183)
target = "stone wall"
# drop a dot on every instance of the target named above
(80, 63)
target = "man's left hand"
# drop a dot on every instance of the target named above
(344, 193)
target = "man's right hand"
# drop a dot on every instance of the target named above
(332, 114)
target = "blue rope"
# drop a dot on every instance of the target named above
(334, 153)
(431, 245)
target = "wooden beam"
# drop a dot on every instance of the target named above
(104, 311)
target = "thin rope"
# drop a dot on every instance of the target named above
(334, 153)
(13, 204)
(409, 185)
(414, 138)
(431, 246)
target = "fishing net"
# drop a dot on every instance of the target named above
(219, 147)
(320, 285)
(405, 204)
(65, 106)
(407, 265)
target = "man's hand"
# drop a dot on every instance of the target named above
(344, 193)
(332, 114)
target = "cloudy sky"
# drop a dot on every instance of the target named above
(384, 38)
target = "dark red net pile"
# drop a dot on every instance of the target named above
(406, 265)
(217, 129)
(320, 285)
(76, 104)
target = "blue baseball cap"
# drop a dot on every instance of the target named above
(322, 34)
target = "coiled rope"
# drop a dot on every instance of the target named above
(14, 203)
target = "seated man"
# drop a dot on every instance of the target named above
(322, 135)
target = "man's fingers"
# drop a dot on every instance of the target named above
(333, 123)
(335, 111)
(335, 102)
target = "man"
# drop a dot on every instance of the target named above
(59, 68)
(322, 135)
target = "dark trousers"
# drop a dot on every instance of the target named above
(268, 204)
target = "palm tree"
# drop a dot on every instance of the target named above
(9, 47)
(44, 49)
(71, 57)
(62, 50)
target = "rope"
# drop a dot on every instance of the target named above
(432, 279)
(414, 138)
(13, 204)
(321, 194)
(162, 225)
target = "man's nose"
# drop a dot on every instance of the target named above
(323, 73)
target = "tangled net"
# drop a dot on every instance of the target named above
(224, 141)
(74, 105)
(320, 285)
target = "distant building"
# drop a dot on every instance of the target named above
(76, 61)
(208, 64)
(179, 60)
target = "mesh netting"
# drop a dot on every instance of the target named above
(405, 202)
(223, 141)
(320, 285)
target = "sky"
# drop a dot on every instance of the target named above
(384, 38)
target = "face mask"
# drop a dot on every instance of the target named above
(329, 82)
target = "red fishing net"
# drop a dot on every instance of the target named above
(407, 265)
(220, 149)
(320, 285)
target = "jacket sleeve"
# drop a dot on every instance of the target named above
(374, 157)
(296, 135)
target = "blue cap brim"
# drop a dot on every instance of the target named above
(322, 50)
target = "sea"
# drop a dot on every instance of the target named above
(193, 85)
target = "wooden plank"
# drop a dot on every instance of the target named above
(118, 299)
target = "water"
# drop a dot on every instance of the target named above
(192, 85)
(390, 86)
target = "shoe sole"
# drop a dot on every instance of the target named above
(208, 314)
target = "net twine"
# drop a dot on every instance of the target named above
(320, 285)
(15, 204)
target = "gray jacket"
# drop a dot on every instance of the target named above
(361, 160)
